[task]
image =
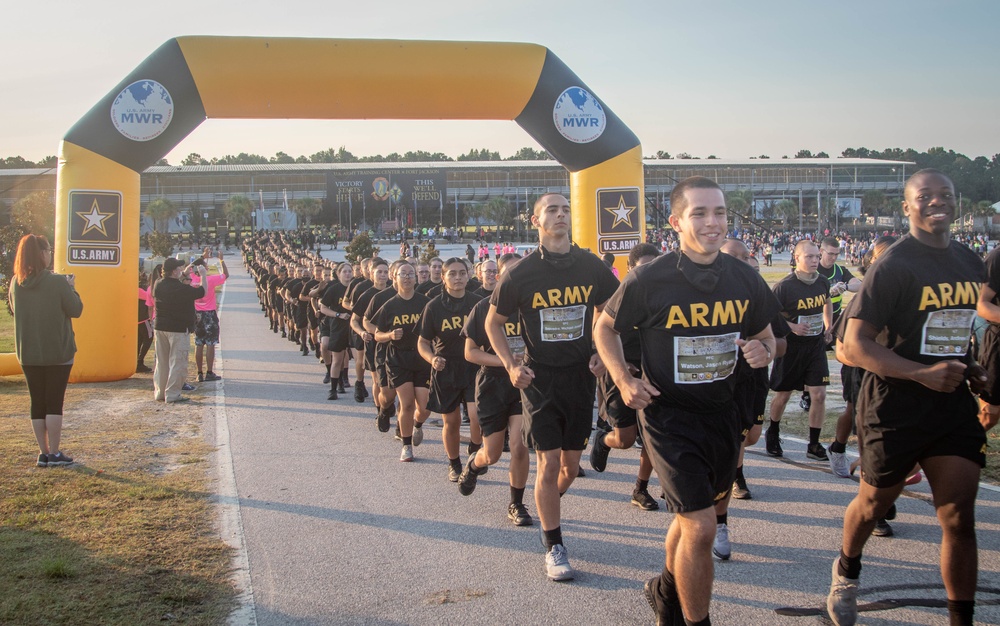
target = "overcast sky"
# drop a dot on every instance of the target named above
(731, 78)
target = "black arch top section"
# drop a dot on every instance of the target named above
(167, 66)
(537, 120)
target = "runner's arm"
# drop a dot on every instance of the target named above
(476, 355)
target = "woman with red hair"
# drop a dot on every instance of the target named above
(44, 305)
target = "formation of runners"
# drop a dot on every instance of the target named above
(676, 355)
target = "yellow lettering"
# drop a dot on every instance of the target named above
(586, 291)
(573, 296)
(699, 313)
(929, 298)
(446, 325)
(555, 298)
(676, 318)
(538, 301)
(946, 291)
(966, 293)
(512, 329)
(742, 306)
(724, 313)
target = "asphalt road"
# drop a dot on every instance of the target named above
(333, 529)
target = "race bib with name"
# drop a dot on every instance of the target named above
(704, 359)
(814, 324)
(947, 332)
(563, 323)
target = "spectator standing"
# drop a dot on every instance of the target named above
(175, 318)
(206, 329)
(44, 305)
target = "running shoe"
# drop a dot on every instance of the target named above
(454, 473)
(599, 453)
(842, 603)
(642, 499)
(142, 368)
(326, 378)
(360, 392)
(201, 377)
(332, 395)
(406, 455)
(816, 452)
(666, 615)
(839, 464)
(740, 489)
(382, 421)
(43, 460)
(418, 436)
(882, 529)
(188, 387)
(59, 459)
(772, 443)
(721, 549)
(557, 566)
(467, 480)
(518, 513)
(211, 377)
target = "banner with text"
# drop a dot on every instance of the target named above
(410, 196)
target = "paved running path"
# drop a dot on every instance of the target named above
(338, 531)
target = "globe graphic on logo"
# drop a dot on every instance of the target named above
(143, 110)
(578, 116)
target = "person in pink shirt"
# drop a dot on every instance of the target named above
(206, 330)
(496, 250)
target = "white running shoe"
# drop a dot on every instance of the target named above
(557, 564)
(406, 455)
(842, 603)
(839, 464)
(721, 548)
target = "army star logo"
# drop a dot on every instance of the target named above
(622, 213)
(95, 219)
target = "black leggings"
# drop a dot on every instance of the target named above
(47, 387)
(145, 340)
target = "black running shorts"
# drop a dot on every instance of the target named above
(406, 367)
(750, 396)
(902, 425)
(613, 409)
(694, 454)
(452, 386)
(380, 371)
(559, 407)
(851, 379)
(339, 334)
(496, 400)
(803, 364)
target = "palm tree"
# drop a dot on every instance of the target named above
(161, 211)
(306, 208)
(787, 209)
(497, 210)
(238, 210)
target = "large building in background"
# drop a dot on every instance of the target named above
(459, 193)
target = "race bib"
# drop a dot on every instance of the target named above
(563, 323)
(704, 359)
(516, 345)
(947, 333)
(814, 324)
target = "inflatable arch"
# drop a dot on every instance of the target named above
(191, 79)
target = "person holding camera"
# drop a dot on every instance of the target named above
(44, 305)
(206, 329)
(175, 317)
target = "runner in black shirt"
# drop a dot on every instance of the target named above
(498, 402)
(359, 284)
(555, 292)
(452, 377)
(988, 308)
(397, 323)
(435, 276)
(805, 303)
(623, 419)
(386, 399)
(360, 304)
(338, 323)
(915, 403)
(695, 310)
(488, 270)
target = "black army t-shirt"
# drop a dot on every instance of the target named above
(554, 296)
(475, 329)
(803, 304)
(924, 297)
(688, 337)
(442, 322)
(398, 312)
(427, 286)
(333, 299)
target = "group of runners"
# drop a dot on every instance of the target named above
(677, 355)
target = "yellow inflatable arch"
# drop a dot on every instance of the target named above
(191, 79)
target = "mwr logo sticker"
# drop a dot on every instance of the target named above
(143, 110)
(578, 116)
(95, 228)
(618, 219)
